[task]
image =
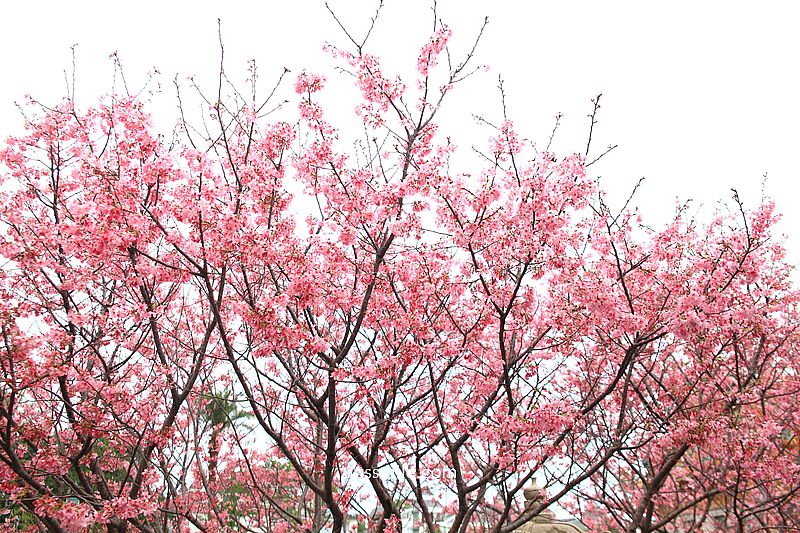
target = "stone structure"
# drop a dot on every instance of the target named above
(544, 522)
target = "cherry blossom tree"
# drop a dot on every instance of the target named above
(254, 325)
(707, 413)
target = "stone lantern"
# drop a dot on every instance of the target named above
(544, 522)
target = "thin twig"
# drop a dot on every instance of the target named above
(559, 116)
(359, 46)
(596, 102)
(596, 159)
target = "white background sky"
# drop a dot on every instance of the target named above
(700, 96)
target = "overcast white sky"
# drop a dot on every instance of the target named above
(700, 96)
